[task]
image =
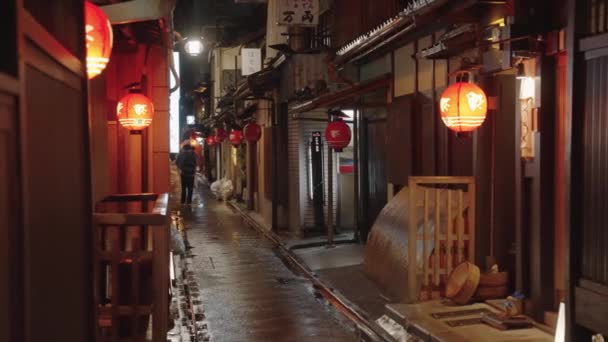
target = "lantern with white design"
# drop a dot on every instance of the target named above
(220, 135)
(98, 35)
(135, 111)
(463, 107)
(337, 134)
(210, 140)
(235, 137)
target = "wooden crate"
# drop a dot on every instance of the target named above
(453, 237)
(132, 268)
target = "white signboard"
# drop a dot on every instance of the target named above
(251, 61)
(298, 12)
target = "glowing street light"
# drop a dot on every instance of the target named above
(193, 47)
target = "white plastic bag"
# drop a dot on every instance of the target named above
(177, 241)
(215, 188)
(226, 189)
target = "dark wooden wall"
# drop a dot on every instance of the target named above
(595, 168)
(54, 19)
(374, 171)
(352, 18)
(400, 147)
(10, 222)
(585, 146)
(11, 226)
(45, 216)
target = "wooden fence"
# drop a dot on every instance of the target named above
(132, 268)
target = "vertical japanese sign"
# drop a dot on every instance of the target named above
(251, 61)
(315, 179)
(298, 12)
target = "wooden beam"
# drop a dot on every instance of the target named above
(572, 213)
(137, 10)
(347, 94)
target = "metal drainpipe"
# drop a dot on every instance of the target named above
(356, 172)
(330, 197)
(275, 164)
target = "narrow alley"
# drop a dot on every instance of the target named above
(304, 170)
(247, 292)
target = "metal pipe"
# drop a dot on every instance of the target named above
(330, 197)
(356, 172)
(275, 168)
(316, 119)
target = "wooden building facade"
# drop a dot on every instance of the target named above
(45, 174)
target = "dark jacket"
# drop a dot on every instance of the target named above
(186, 163)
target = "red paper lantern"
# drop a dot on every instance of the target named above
(252, 132)
(135, 111)
(98, 39)
(337, 135)
(220, 135)
(235, 137)
(210, 141)
(463, 107)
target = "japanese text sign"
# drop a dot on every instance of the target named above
(251, 61)
(298, 12)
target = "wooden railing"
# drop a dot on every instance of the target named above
(132, 268)
(444, 207)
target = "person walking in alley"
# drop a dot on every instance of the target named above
(186, 163)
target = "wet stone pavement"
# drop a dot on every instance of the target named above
(246, 291)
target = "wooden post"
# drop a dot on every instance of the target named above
(411, 245)
(330, 197)
(250, 174)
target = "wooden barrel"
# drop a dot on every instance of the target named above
(492, 286)
(462, 283)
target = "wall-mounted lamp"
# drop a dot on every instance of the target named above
(190, 120)
(527, 89)
(194, 46)
(527, 98)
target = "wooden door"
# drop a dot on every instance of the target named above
(11, 284)
(589, 202)
(45, 184)
(10, 225)
(375, 179)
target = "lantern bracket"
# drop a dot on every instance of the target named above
(134, 88)
(464, 76)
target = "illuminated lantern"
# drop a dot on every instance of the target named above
(252, 132)
(135, 111)
(210, 141)
(463, 107)
(235, 137)
(337, 135)
(220, 135)
(198, 149)
(98, 31)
